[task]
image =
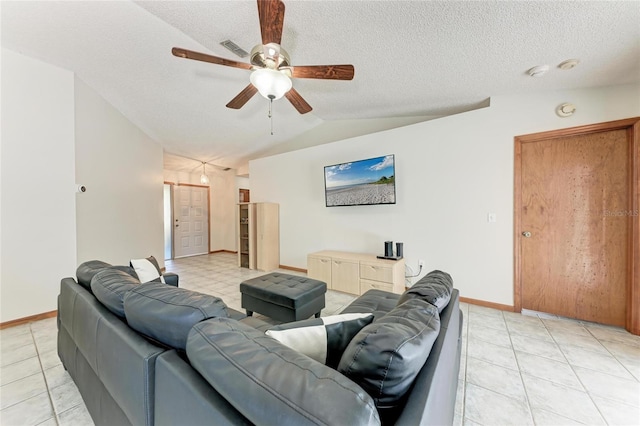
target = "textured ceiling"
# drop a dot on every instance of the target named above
(414, 60)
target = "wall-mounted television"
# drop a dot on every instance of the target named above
(361, 183)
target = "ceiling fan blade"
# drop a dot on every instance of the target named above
(297, 101)
(271, 14)
(243, 97)
(332, 72)
(190, 54)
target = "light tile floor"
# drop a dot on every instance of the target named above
(515, 369)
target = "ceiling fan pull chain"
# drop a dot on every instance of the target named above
(270, 114)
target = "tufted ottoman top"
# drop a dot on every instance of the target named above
(286, 290)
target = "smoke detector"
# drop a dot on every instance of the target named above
(566, 109)
(538, 71)
(568, 64)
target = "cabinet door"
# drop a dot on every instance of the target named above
(345, 276)
(267, 239)
(376, 272)
(366, 285)
(319, 268)
(245, 237)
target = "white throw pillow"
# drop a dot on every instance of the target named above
(323, 339)
(147, 269)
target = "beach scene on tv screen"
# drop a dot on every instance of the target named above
(361, 182)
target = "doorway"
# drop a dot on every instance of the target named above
(168, 222)
(188, 218)
(576, 223)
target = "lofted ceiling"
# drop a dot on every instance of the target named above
(414, 61)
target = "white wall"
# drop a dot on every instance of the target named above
(222, 203)
(242, 183)
(38, 234)
(450, 173)
(120, 217)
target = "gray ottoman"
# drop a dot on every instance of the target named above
(283, 297)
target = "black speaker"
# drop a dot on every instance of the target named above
(399, 249)
(388, 248)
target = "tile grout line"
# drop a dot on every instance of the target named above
(586, 391)
(44, 376)
(612, 354)
(526, 394)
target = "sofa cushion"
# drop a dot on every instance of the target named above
(110, 285)
(377, 302)
(270, 383)
(147, 269)
(87, 270)
(435, 288)
(385, 357)
(323, 339)
(128, 269)
(167, 313)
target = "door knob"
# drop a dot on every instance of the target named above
(526, 234)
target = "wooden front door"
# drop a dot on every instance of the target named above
(575, 213)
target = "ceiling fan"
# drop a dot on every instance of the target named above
(270, 63)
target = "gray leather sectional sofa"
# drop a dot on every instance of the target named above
(153, 354)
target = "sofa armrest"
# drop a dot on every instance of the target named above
(433, 396)
(171, 278)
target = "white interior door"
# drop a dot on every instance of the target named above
(191, 220)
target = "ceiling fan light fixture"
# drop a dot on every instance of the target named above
(270, 83)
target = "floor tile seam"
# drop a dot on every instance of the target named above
(21, 360)
(515, 325)
(633, 379)
(530, 336)
(25, 399)
(541, 356)
(566, 387)
(506, 396)
(526, 400)
(618, 401)
(561, 330)
(9, 337)
(524, 388)
(489, 326)
(613, 355)
(493, 363)
(46, 420)
(69, 409)
(560, 415)
(46, 382)
(602, 417)
(596, 371)
(567, 359)
(19, 347)
(492, 342)
(60, 385)
(24, 377)
(494, 316)
(601, 340)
